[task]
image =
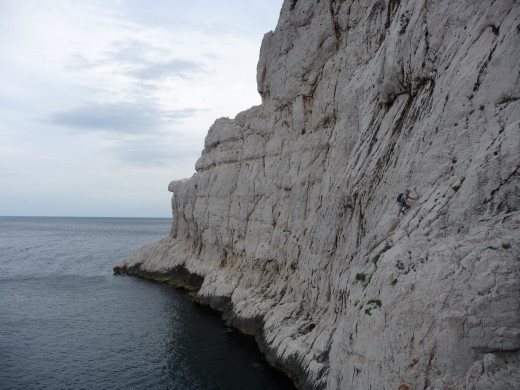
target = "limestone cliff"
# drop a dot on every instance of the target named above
(290, 224)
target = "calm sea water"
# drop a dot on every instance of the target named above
(67, 322)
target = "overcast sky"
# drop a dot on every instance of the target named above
(104, 102)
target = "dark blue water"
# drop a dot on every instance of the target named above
(66, 322)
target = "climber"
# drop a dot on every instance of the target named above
(403, 199)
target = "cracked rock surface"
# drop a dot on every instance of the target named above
(290, 227)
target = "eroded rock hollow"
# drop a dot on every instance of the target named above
(290, 225)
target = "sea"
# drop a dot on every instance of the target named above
(68, 322)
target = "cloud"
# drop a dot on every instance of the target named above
(139, 60)
(78, 62)
(143, 155)
(156, 152)
(147, 61)
(132, 50)
(126, 118)
(165, 68)
(179, 68)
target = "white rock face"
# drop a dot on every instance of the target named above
(291, 218)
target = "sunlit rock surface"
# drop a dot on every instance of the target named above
(290, 224)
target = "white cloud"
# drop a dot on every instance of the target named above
(112, 99)
(126, 118)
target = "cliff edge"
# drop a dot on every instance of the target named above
(290, 225)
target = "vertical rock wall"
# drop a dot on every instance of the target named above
(290, 224)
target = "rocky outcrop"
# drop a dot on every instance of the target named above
(290, 223)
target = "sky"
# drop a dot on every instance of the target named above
(104, 102)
